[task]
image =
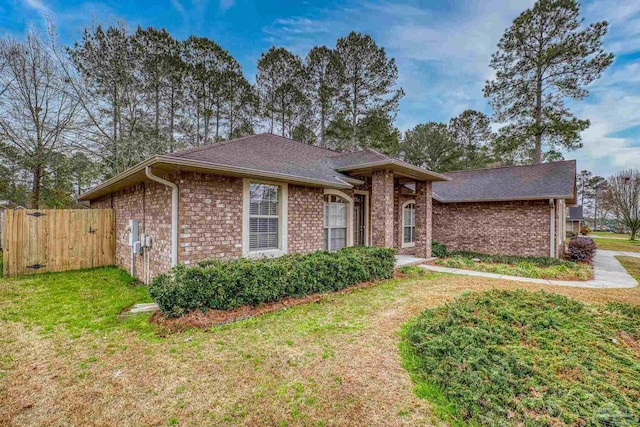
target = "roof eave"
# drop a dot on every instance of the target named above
(213, 168)
(427, 174)
(504, 199)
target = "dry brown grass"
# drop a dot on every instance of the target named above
(333, 362)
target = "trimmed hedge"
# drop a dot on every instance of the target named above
(582, 249)
(438, 249)
(542, 261)
(224, 285)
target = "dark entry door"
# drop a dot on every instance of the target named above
(359, 220)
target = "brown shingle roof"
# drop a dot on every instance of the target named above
(555, 180)
(269, 153)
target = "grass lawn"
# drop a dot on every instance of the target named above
(608, 234)
(536, 267)
(631, 264)
(528, 358)
(618, 245)
(66, 359)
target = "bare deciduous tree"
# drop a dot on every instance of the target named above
(38, 114)
(623, 196)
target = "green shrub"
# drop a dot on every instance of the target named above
(542, 261)
(438, 249)
(517, 358)
(224, 285)
(582, 249)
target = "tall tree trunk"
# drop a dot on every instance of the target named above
(283, 120)
(322, 125)
(172, 115)
(157, 118)
(37, 177)
(537, 156)
(114, 148)
(217, 118)
(354, 113)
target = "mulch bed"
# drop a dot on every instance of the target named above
(210, 318)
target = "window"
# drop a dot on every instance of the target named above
(335, 222)
(409, 225)
(264, 217)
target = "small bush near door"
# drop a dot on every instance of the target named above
(438, 249)
(582, 249)
(224, 285)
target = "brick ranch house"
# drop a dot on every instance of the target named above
(265, 195)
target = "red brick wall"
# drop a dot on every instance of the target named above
(305, 219)
(513, 228)
(210, 217)
(150, 204)
(382, 210)
(209, 221)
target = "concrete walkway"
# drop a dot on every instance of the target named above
(402, 260)
(608, 273)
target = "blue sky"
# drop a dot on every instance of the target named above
(442, 49)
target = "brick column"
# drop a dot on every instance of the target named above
(382, 209)
(423, 219)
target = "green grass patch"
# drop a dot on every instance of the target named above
(608, 234)
(527, 358)
(85, 300)
(618, 245)
(631, 264)
(536, 267)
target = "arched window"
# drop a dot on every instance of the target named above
(409, 224)
(335, 222)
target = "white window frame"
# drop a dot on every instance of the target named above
(349, 204)
(283, 199)
(402, 242)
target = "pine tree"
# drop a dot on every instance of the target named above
(432, 146)
(546, 56)
(473, 134)
(324, 71)
(281, 82)
(369, 78)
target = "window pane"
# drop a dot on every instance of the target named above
(338, 238)
(337, 215)
(263, 199)
(263, 233)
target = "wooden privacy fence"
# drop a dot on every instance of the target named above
(37, 241)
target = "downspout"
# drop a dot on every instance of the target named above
(174, 212)
(552, 237)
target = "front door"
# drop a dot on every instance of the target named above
(359, 226)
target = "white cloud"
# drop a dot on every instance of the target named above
(225, 4)
(179, 7)
(39, 6)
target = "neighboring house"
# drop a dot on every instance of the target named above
(516, 210)
(574, 219)
(265, 195)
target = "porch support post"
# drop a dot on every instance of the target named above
(382, 209)
(423, 219)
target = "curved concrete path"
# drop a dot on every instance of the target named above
(608, 273)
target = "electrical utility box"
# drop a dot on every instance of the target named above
(133, 231)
